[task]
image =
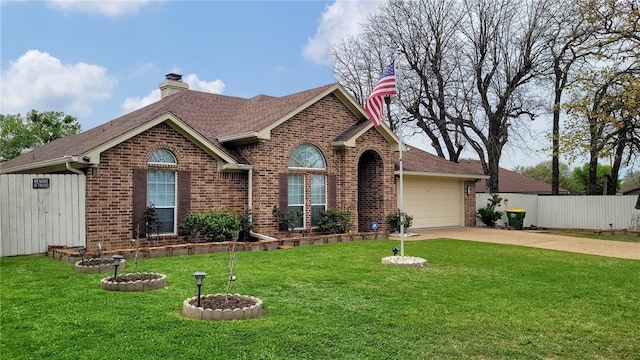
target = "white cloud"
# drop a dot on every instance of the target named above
(39, 81)
(132, 104)
(214, 87)
(339, 20)
(109, 7)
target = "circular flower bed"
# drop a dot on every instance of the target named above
(134, 282)
(223, 307)
(404, 261)
(98, 265)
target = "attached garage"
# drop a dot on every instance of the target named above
(437, 192)
(433, 202)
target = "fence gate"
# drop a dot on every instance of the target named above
(41, 210)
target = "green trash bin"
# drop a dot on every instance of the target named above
(516, 218)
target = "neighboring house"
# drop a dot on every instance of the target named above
(193, 152)
(511, 182)
(629, 191)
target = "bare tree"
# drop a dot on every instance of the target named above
(463, 71)
(504, 44)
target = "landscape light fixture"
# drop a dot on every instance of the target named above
(116, 262)
(82, 251)
(199, 275)
(395, 251)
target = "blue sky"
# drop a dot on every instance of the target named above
(98, 60)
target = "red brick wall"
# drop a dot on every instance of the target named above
(109, 202)
(470, 204)
(317, 125)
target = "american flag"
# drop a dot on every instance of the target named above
(386, 86)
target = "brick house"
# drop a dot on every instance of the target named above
(195, 151)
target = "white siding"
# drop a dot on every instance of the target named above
(570, 212)
(32, 219)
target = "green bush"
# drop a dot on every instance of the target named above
(488, 214)
(214, 225)
(394, 220)
(334, 221)
(286, 219)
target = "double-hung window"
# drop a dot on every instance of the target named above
(307, 172)
(161, 189)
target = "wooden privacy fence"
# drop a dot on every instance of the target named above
(41, 210)
(570, 212)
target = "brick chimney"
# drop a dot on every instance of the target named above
(173, 84)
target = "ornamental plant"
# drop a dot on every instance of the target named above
(214, 225)
(286, 219)
(488, 214)
(334, 221)
(394, 220)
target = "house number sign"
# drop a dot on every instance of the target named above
(41, 183)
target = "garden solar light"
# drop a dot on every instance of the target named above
(395, 251)
(199, 275)
(82, 251)
(116, 262)
(133, 243)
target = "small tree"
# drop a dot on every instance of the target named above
(151, 221)
(488, 214)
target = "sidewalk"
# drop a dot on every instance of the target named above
(538, 239)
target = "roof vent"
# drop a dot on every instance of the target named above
(172, 85)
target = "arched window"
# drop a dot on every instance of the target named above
(161, 190)
(162, 156)
(304, 163)
(306, 156)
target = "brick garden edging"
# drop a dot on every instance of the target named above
(139, 285)
(71, 255)
(250, 312)
(90, 268)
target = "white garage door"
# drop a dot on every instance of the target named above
(433, 202)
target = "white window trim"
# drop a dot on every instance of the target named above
(304, 200)
(175, 202)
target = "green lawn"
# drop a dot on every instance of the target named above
(473, 301)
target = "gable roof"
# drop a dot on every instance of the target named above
(215, 122)
(419, 162)
(510, 181)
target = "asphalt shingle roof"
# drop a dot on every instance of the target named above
(212, 115)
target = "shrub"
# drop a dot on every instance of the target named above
(394, 220)
(488, 214)
(214, 225)
(246, 225)
(334, 221)
(286, 219)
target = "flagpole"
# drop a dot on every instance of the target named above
(387, 100)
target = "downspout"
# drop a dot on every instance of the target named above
(72, 169)
(250, 200)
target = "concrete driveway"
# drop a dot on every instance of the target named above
(538, 239)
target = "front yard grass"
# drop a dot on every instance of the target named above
(337, 301)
